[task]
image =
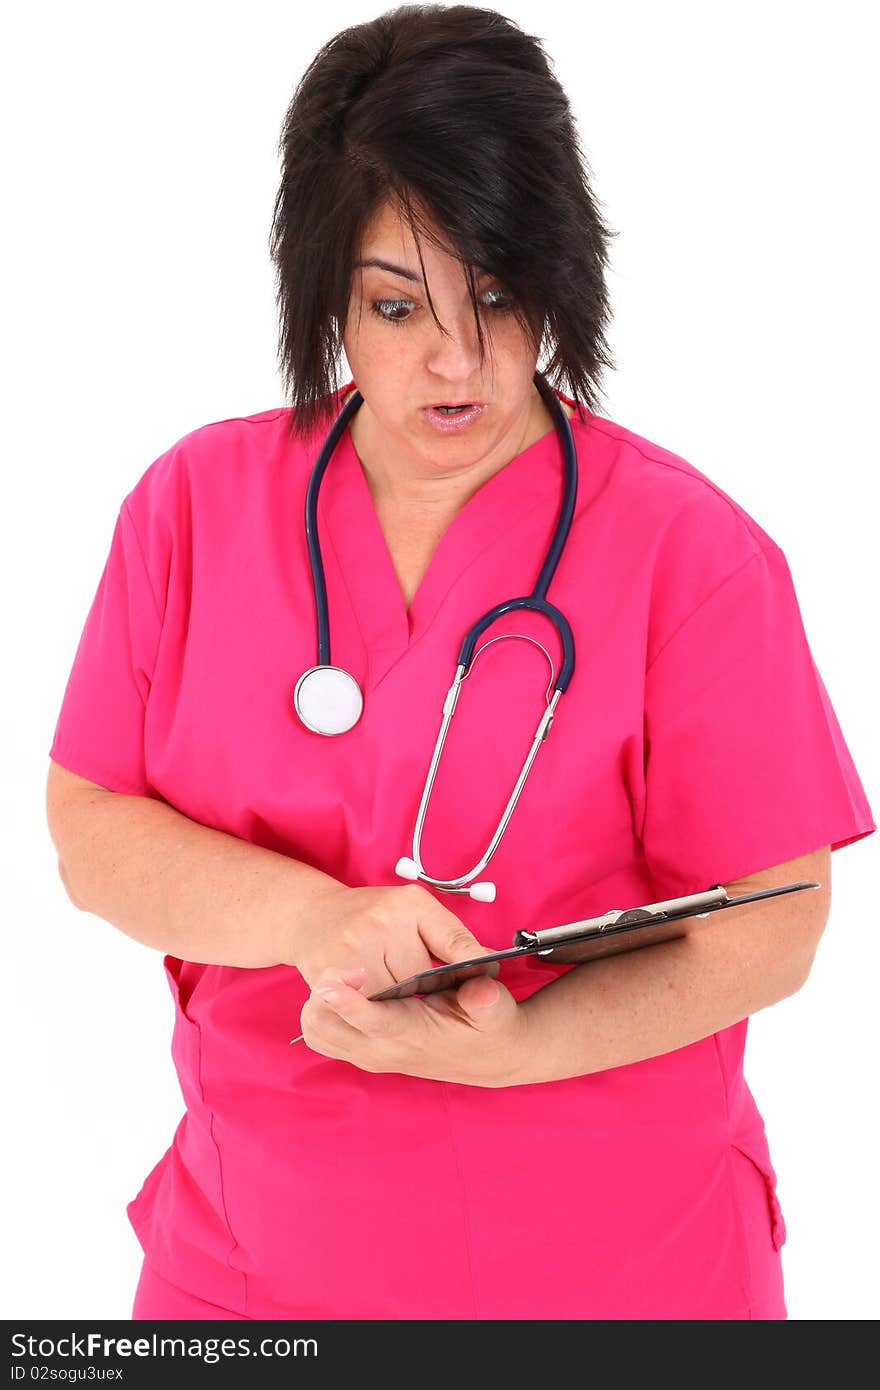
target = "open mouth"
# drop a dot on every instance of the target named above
(449, 418)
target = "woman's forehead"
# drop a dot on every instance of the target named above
(388, 236)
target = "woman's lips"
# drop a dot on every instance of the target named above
(454, 423)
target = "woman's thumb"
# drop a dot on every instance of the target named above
(481, 992)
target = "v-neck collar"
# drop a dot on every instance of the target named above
(347, 517)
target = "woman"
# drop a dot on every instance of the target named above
(562, 1142)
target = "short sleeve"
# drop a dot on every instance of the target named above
(745, 762)
(100, 729)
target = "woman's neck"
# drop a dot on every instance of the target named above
(436, 494)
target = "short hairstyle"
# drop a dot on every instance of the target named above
(453, 112)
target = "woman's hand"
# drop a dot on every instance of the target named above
(473, 1035)
(391, 933)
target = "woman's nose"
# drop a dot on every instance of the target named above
(455, 353)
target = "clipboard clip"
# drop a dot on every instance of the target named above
(615, 917)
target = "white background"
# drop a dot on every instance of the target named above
(733, 146)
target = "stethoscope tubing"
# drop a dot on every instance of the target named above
(322, 613)
(535, 601)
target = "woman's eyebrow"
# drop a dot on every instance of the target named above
(400, 269)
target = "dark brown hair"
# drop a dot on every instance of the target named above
(452, 114)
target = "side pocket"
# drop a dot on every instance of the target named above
(172, 967)
(185, 1040)
(184, 977)
(194, 1243)
(765, 1168)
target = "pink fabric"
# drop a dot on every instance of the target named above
(157, 1300)
(695, 744)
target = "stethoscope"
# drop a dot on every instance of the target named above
(328, 699)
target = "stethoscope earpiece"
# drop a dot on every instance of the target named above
(328, 700)
(480, 892)
(407, 868)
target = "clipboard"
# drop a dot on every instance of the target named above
(578, 942)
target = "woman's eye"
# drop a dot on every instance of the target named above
(399, 311)
(386, 307)
(504, 302)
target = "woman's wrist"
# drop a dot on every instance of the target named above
(515, 1062)
(308, 898)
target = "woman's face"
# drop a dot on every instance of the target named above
(404, 365)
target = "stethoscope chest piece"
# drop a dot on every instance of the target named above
(328, 700)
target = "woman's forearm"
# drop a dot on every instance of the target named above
(625, 1008)
(182, 887)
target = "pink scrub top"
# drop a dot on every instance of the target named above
(696, 744)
